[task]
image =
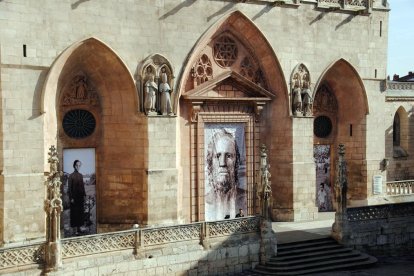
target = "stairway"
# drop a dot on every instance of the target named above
(313, 256)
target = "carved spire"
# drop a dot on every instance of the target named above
(53, 208)
(265, 193)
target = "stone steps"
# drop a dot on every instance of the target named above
(313, 256)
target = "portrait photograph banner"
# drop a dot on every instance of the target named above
(79, 192)
(225, 171)
(324, 189)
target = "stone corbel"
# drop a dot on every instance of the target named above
(196, 107)
(258, 108)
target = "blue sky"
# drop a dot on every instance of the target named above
(401, 37)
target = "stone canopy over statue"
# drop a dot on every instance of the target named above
(301, 94)
(157, 86)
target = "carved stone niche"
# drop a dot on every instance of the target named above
(227, 91)
(155, 81)
(301, 95)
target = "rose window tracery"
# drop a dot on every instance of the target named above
(78, 123)
(322, 126)
(225, 51)
(203, 70)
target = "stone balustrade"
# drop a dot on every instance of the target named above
(135, 240)
(22, 255)
(380, 229)
(403, 187)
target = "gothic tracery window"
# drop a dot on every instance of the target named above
(225, 51)
(203, 70)
(247, 69)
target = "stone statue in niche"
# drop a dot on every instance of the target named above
(297, 98)
(301, 93)
(81, 88)
(306, 96)
(165, 90)
(79, 92)
(151, 89)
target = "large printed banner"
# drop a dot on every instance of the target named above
(225, 171)
(79, 192)
(324, 189)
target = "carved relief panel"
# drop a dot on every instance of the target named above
(156, 81)
(79, 112)
(300, 91)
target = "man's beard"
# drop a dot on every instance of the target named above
(225, 181)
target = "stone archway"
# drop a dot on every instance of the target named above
(341, 96)
(120, 136)
(228, 80)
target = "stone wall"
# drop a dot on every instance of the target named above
(381, 230)
(42, 43)
(221, 247)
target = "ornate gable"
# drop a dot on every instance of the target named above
(229, 86)
(228, 89)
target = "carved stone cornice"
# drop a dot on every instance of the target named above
(228, 89)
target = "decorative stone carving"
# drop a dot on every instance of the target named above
(341, 185)
(97, 244)
(165, 91)
(247, 69)
(265, 188)
(53, 208)
(225, 51)
(202, 71)
(301, 93)
(297, 98)
(259, 79)
(360, 3)
(196, 108)
(151, 90)
(80, 93)
(22, 256)
(149, 79)
(325, 101)
(340, 229)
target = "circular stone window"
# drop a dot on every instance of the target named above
(78, 123)
(322, 126)
(225, 51)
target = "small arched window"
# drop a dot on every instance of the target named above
(400, 133)
(396, 130)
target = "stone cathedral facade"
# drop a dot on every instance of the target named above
(134, 89)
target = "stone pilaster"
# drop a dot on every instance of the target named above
(162, 170)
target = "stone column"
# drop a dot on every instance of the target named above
(53, 208)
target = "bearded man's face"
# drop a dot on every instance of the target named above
(224, 160)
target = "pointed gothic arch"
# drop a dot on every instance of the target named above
(238, 26)
(226, 79)
(400, 133)
(53, 84)
(119, 139)
(346, 87)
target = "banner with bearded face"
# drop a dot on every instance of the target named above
(225, 170)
